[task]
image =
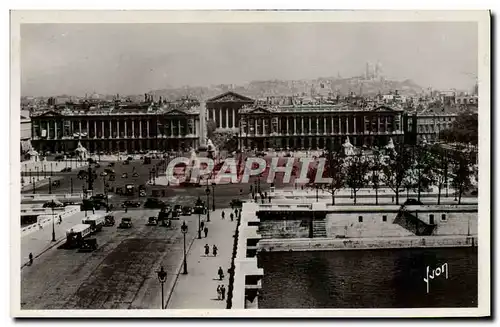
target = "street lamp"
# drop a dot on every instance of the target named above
(162, 277)
(50, 186)
(199, 203)
(51, 170)
(53, 226)
(213, 196)
(37, 175)
(184, 230)
(71, 185)
(207, 192)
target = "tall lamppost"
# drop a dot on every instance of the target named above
(213, 196)
(37, 175)
(50, 186)
(162, 277)
(207, 192)
(34, 186)
(51, 170)
(53, 226)
(184, 229)
(31, 177)
(71, 185)
(199, 203)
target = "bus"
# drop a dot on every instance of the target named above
(95, 221)
(76, 234)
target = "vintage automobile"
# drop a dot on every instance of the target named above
(131, 204)
(126, 223)
(236, 203)
(109, 220)
(88, 245)
(53, 204)
(152, 221)
(187, 211)
(124, 175)
(111, 164)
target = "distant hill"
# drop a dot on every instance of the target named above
(319, 86)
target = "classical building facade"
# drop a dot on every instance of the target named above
(318, 126)
(133, 128)
(224, 109)
(427, 126)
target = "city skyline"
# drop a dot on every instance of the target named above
(76, 59)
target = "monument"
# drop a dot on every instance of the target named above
(348, 147)
(81, 152)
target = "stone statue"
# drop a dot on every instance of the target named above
(390, 145)
(81, 151)
(424, 140)
(348, 148)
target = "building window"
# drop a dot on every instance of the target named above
(443, 217)
(431, 219)
(384, 218)
(360, 219)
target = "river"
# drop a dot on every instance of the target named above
(368, 279)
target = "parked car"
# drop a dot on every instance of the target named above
(126, 223)
(131, 204)
(66, 170)
(98, 196)
(124, 175)
(109, 220)
(59, 157)
(153, 221)
(111, 164)
(88, 245)
(135, 174)
(153, 203)
(70, 203)
(178, 209)
(104, 173)
(187, 211)
(130, 158)
(97, 165)
(53, 204)
(412, 202)
(126, 162)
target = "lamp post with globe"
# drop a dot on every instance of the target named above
(184, 230)
(162, 277)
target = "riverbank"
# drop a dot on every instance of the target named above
(333, 244)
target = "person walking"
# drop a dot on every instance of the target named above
(219, 292)
(214, 250)
(207, 250)
(202, 226)
(223, 214)
(220, 272)
(31, 258)
(223, 292)
(231, 216)
(205, 230)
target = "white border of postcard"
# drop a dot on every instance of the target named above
(75, 16)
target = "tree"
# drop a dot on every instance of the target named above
(334, 169)
(424, 162)
(375, 167)
(396, 169)
(463, 130)
(356, 168)
(462, 170)
(211, 127)
(440, 167)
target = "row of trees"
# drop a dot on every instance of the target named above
(410, 168)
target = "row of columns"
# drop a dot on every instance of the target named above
(291, 129)
(108, 132)
(216, 115)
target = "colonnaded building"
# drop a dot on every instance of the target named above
(259, 124)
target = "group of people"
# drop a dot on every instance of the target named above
(232, 215)
(207, 250)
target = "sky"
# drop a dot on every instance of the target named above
(75, 59)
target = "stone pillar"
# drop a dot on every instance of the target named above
(79, 129)
(95, 129)
(340, 126)
(227, 117)
(147, 128)
(333, 127)
(235, 111)
(294, 125)
(133, 128)
(110, 131)
(347, 125)
(140, 130)
(378, 124)
(102, 129)
(178, 127)
(325, 125)
(219, 124)
(171, 127)
(126, 128)
(255, 127)
(118, 128)
(310, 126)
(287, 126)
(55, 130)
(354, 127)
(302, 124)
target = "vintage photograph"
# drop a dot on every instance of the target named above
(293, 160)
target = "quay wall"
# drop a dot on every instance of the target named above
(329, 244)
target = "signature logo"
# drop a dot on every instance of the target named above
(443, 270)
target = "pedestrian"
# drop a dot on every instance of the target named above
(207, 249)
(251, 188)
(231, 216)
(265, 194)
(269, 199)
(202, 225)
(220, 272)
(60, 220)
(223, 292)
(206, 231)
(214, 250)
(219, 292)
(393, 199)
(126, 208)
(223, 214)
(31, 258)
(235, 211)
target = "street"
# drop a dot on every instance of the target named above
(120, 274)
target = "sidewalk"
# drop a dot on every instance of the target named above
(40, 241)
(198, 289)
